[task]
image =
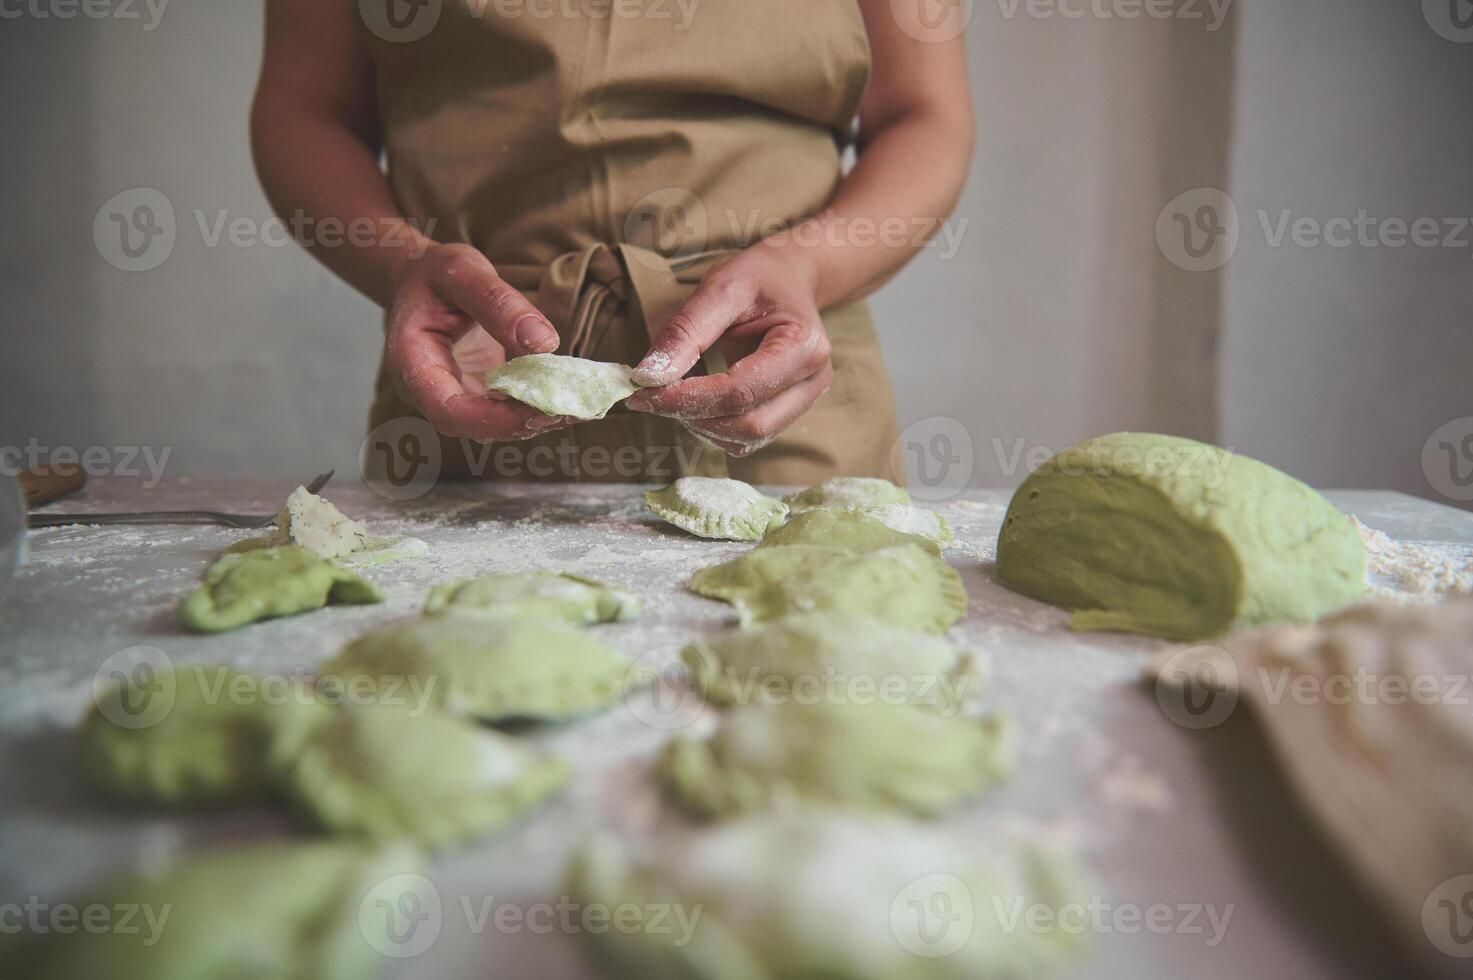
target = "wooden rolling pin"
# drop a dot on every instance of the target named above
(45, 484)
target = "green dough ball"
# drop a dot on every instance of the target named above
(491, 669)
(279, 911)
(906, 586)
(1174, 538)
(848, 493)
(804, 650)
(866, 754)
(193, 736)
(556, 385)
(727, 510)
(391, 772)
(843, 897)
(547, 594)
(851, 530)
(241, 589)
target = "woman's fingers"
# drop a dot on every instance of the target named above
(466, 280)
(788, 354)
(427, 377)
(744, 434)
(716, 305)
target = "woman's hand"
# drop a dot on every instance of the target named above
(437, 353)
(760, 305)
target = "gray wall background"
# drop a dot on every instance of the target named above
(1060, 317)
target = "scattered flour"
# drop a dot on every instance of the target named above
(1418, 573)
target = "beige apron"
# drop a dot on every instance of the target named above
(605, 155)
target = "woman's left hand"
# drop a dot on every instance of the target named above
(760, 306)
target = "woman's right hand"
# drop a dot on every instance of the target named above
(440, 298)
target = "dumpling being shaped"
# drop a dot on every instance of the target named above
(557, 385)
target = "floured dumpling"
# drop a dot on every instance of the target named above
(709, 507)
(192, 736)
(844, 897)
(563, 386)
(848, 493)
(911, 519)
(851, 530)
(906, 586)
(283, 910)
(846, 748)
(389, 772)
(805, 649)
(244, 588)
(491, 669)
(534, 594)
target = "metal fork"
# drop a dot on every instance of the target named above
(170, 516)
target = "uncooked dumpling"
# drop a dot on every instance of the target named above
(534, 594)
(315, 524)
(491, 669)
(848, 493)
(843, 897)
(192, 736)
(281, 910)
(851, 530)
(241, 589)
(568, 386)
(1174, 538)
(390, 772)
(708, 507)
(906, 586)
(845, 749)
(804, 650)
(913, 520)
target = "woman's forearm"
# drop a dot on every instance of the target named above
(906, 183)
(314, 135)
(915, 147)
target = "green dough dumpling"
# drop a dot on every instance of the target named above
(848, 493)
(724, 510)
(244, 588)
(569, 386)
(851, 530)
(808, 649)
(193, 736)
(280, 911)
(545, 594)
(913, 520)
(1174, 538)
(843, 897)
(390, 772)
(865, 754)
(906, 586)
(493, 669)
